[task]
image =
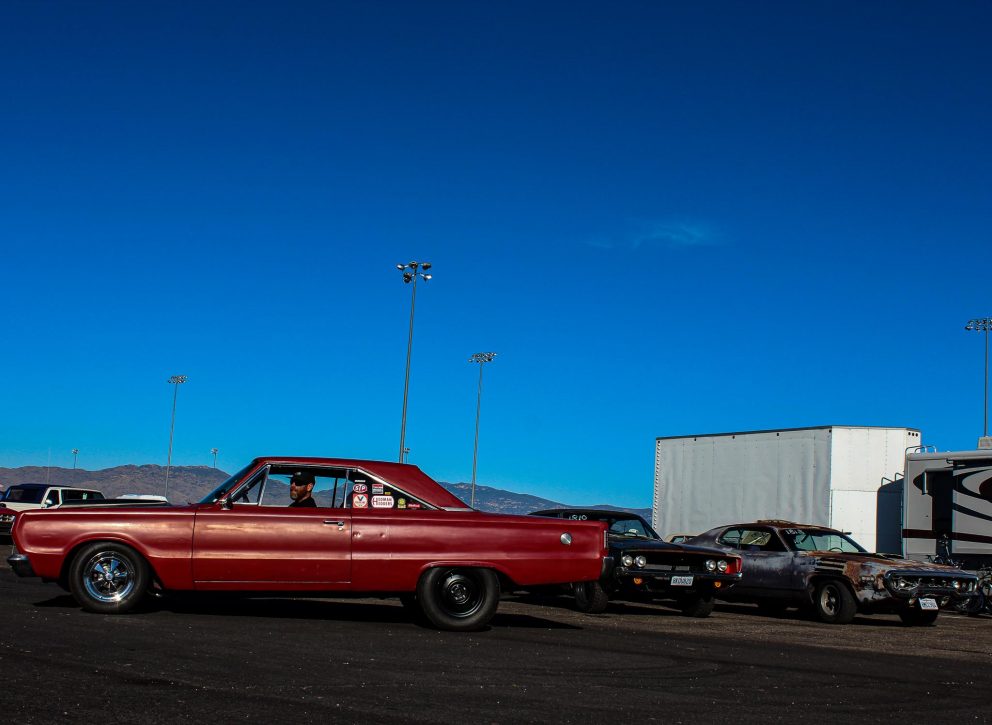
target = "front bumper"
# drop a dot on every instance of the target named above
(640, 580)
(909, 587)
(21, 565)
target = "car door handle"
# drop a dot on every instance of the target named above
(333, 522)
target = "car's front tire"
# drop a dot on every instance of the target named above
(698, 606)
(590, 597)
(834, 603)
(458, 600)
(108, 578)
(918, 617)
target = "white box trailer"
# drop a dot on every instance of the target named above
(823, 475)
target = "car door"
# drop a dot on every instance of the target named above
(256, 540)
(768, 568)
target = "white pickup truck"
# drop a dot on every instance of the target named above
(23, 496)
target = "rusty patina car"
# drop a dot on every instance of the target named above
(643, 567)
(789, 564)
(371, 528)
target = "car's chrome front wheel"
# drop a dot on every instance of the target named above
(108, 577)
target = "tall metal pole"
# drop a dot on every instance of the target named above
(75, 452)
(982, 324)
(214, 451)
(176, 380)
(410, 274)
(406, 378)
(482, 358)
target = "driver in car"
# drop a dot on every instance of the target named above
(301, 489)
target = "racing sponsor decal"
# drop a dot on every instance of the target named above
(360, 501)
(360, 488)
(382, 502)
(401, 503)
(413, 505)
(377, 488)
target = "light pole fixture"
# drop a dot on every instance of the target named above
(214, 452)
(411, 272)
(482, 358)
(982, 324)
(75, 452)
(176, 380)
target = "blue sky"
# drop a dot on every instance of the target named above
(666, 218)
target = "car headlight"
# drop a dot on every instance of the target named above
(956, 584)
(721, 566)
(710, 565)
(641, 561)
(627, 560)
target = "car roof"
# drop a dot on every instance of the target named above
(781, 524)
(586, 511)
(49, 485)
(404, 475)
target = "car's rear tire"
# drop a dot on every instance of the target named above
(918, 617)
(834, 603)
(698, 606)
(590, 597)
(458, 600)
(108, 578)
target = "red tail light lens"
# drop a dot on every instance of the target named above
(734, 565)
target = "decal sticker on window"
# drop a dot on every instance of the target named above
(413, 505)
(360, 501)
(382, 502)
(578, 517)
(360, 488)
(401, 503)
(377, 488)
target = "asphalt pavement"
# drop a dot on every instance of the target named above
(216, 659)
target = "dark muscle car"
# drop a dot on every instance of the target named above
(643, 566)
(789, 564)
(379, 528)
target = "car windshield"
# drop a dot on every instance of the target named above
(219, 492)
(821, 540)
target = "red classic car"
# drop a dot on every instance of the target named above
(371, 527)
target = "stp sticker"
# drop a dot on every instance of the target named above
(382, 502)
(377, 488)
(413, 505)
(360, 488)
(360, 501)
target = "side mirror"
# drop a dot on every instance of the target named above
(225, 504)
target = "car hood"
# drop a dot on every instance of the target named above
(630, 545)
(881, 561)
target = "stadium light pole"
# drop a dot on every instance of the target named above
(75, 452)
(411, 272)
(982, 324)
(176, 380)
(482, 358)
(214, 452)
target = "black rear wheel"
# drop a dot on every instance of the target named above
(590, 597)
(458, 600)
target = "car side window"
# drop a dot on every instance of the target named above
(53, 498)
(747, 539)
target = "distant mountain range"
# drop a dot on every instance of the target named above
(191, 483)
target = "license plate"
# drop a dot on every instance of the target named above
(681, 581)
(928, 603)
